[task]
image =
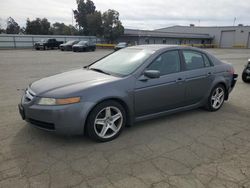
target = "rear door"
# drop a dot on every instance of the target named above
(198, 76)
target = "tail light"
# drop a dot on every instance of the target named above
(231, 71)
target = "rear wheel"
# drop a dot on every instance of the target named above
(216, 98)
(106, 121)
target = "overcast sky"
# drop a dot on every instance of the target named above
(136, 14)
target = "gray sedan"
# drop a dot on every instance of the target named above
(133, 84)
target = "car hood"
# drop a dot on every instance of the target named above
(69, 82)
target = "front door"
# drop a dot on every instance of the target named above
(163, 93)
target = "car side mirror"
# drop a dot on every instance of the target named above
(152, 73)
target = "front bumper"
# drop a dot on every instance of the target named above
(63, 119)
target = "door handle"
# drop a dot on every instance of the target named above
(209, 73)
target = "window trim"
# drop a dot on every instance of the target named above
(180, 58)
(210, 62)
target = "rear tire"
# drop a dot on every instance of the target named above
(216, 98)
(106, 121)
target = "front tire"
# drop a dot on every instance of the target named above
(106, 121)
(216, 98)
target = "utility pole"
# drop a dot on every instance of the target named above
(234, 21)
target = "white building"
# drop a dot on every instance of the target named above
(223, 37)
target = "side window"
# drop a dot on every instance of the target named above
(167, 63)
(193, 60)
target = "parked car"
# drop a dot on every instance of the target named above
(47, 44)
(120, 45)
(68, 45)
(246, 73)
(84, 46)
(133, 84)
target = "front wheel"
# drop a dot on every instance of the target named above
(106, 121)
(216, 98)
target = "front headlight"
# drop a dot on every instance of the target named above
(52, 101)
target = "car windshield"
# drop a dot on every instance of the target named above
(83, 42)
(123, 62)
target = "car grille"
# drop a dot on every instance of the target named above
(42, 124)
(29, 95)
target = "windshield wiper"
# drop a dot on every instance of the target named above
(99, 70)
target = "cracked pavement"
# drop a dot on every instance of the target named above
(193, 149)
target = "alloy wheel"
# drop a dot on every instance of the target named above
(108, 122)
(217, 98)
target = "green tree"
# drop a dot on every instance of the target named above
(12, 26)
(1, 29)
(90, 7)
(87, 18)
(62, 29)
(73, 30)
(33, 27)
(45, 26)
(94, 24)
(38, 27)
(112, 26)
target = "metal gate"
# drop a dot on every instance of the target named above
(227, 39)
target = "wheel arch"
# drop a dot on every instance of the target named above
(224, 85)
(120, 101)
